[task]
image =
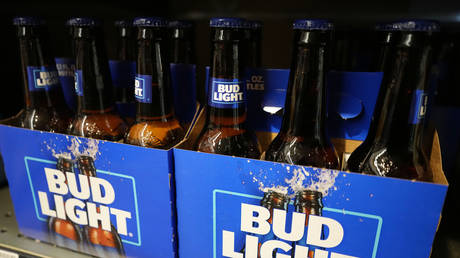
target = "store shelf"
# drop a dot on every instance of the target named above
(12, 241)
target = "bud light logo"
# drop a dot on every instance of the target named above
(79, 83)
(42, 78)
(227, 93)
(143, 88)
(106, 201)
(255, 231)
(418, 107)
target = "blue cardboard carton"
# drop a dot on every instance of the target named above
(220, 213)
(221, 200)
(110, 200)
(125, 208)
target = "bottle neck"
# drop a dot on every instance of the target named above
(182, 46)
(385, 45)
(227, 87)
(403, 100)
(126, 45)
(153, 82)
(305, 106)
(92, 76)
(40, 78)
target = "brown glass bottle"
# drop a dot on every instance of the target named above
(385, 45)
(226, 131)
(156, 125)
(393, 145)
(96, 115)
(64, 232)
(45, 104)
(302, 139)
(310, 203)
(103, 243)
(123, 70)
(182, 42)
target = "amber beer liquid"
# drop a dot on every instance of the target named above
(156, 125)
(45, 104)
(393, 146)
(226, 131)
(65, 232)
(302, 139)
(103, 243)
(96, 116)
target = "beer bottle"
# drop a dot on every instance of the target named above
(254, 37)
(155, 126)
(183, 42)
(123, 70)
(64, 232)
(310, 203)
(271, 200)
(103, 243)
(226, 131)
(45, 104)
(394, 148)
(96, 116)
(302, 139)
(385, 44)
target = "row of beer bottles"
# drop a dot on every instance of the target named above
(96, 116)
(393, 144)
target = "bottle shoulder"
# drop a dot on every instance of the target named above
(299, 151)
(228, 141)
(390, 162)
(104, 126)
(156, 133)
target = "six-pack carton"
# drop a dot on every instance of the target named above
(219, 198)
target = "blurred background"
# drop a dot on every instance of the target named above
(354, 21)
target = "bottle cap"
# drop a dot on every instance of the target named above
(313, 24)
(83, 21)
(28, 21)
(228, 23)
(150, 22)
(180, 24)
(409, 25)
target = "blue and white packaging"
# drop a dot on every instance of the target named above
(220, 213)
(129, 192)
(130, 196)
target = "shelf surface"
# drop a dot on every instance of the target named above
(12, 241)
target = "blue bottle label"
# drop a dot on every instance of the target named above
(66, 71)
(79, 82)
(122, 73)
(42, 77)
(418, 107)
(227, 93)
(143, 88)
